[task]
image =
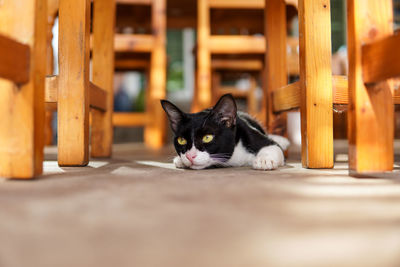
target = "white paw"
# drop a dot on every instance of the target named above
(178, 162)
(269, 158)
(283, 142)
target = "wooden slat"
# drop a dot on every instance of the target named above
(73, 83)
(381, 59)
(340, 89)
(14, 60)
(134, 42)
(155, 130)
(51, 89)
(129, 119)
(316, 83)
(237, 64)
(371, 112)
(132, 64)
(22, 107)
(135, 2)
(238, 93)
(237, 44)
(103, 76)
(275, 62)
(242, 4)
(203, 95)
(98, 97)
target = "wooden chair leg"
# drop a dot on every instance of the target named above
(371, 109)
(215, 86)
(275, 60)
(251, 99)
(103, 74)
(316, 84)
(22, 107)
(203, 57)
(73, 90)
(154, 133)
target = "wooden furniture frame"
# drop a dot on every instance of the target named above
(153, 119)
(209, 44)
(22, 72)
(373, 58)
(23, 99)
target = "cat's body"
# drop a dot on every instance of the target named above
(223, 137)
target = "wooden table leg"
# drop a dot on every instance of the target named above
(22, 107)
(155, 130)
(275, 60)
(103, 74)
(316, 84)
(371, 109)
(203, 57)
(73, 90)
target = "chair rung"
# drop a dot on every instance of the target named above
(242, 4)
(129, 119)
(237, 44)
(134, 2)
(237, 64)
(14, 60)
(133, 42)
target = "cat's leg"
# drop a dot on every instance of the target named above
(269, 158)
(283, 142)
(178, 162)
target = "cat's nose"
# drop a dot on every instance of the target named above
(191, 157)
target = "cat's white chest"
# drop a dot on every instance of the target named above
(240, 156)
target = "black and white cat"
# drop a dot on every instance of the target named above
(222, 137)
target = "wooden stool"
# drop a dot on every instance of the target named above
(374, 57)
(210, 44)
(153, 119)
(22, 69)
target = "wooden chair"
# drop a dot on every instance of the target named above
(154, 44)
(211, 43)
(71, 91)
(373, 57)
(22, 72)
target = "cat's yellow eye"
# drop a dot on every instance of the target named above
(208, 138)
(182, 141)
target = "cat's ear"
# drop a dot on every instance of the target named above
(225, 110)
(174, 114)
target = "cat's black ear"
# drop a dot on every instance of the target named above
(174, 114)
(225, 110)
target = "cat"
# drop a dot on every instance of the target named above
(223, 137)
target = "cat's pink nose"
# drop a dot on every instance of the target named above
(191, 157)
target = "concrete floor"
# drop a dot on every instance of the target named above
(137, 210)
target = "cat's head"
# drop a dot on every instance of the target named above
(206, 138)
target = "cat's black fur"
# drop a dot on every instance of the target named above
(224, 122)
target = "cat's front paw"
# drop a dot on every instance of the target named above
(178, 162)
(269, 158)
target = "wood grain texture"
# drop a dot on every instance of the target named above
(73, 83)
(134, 42)
(381, 59)
(203, 88)
(237, 64)
(103, 76)
(236, 44)
(241, 4)
(130, 119)
(14, 60)
(22, 107)
(275, 62)
(316, 83)
(370, 117)
(289, 97)
(155, 130)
